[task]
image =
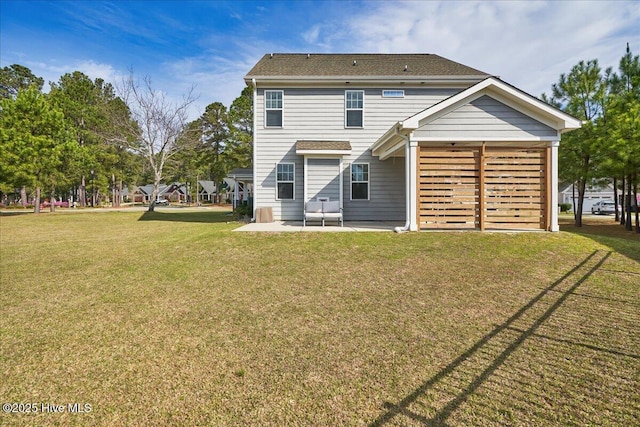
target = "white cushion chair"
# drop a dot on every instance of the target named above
(313, 212)
(332, 211)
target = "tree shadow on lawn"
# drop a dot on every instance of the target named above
(189, 216)
(16, 213)
(498, 379)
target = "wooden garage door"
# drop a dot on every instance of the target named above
(487, 188)
(514, 189)
(448, 186)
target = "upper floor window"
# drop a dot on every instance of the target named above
(273, 108)
(354, 108)
(285, 181)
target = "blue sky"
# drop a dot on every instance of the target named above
(213, 44)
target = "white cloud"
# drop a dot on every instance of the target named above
(311, 36)
(214, 79)
(526, 43)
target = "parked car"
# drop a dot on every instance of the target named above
(604, 207)
(162, 202)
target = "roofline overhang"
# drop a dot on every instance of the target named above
(471, 79)
(240, 177)
(323, 152)
(393, 139)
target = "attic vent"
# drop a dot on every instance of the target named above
(354, 62)
(406, 67)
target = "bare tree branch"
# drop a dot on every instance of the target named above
(153, 126)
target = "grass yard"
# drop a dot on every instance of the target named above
(172, 319)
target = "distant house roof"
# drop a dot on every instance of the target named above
(208, 186)
(240, 171)
(148, 189)
(321, 65)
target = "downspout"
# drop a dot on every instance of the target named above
(407, 182)
(253, 160)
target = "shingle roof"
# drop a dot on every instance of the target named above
(383, 65)
(240, 171)
(323, 145)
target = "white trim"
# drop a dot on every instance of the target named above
(351, 181)
(319, 154)
(305, 177)
(413, 184)
(340, 173)
(353, 109)
(285, 182)
(255, 146)
(264, 96)
(554, 188)
(486, 139)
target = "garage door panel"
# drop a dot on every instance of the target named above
(513, 188)
(448, 188)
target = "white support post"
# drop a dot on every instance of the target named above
(245, 193)
(235, 192)
(413, 184)
(304, 184)
(554, 186)
(340, 172)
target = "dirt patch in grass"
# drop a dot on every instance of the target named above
(181, 322)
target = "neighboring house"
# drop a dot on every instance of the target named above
(206, 191)
(175, 192)
(407, 137)
(237, 186)
(240, 183)
(592, 195)
(142, 193)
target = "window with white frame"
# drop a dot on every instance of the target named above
(359, 181)
(273, 108)
(285, 181)
(354, 108)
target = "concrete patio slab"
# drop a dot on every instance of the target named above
(296, 226)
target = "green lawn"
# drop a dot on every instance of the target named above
(172, 319)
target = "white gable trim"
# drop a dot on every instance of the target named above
(502, 92)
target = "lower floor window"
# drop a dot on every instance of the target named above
(285, 181)
(360, 181)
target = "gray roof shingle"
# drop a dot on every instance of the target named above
(323, 145)
(358, 64)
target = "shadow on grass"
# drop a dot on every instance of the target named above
(606, 232)
(16, 213)
(190, 216)
(434, 402)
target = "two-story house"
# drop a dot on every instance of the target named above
(407, 137)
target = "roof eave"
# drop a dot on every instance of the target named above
(367, 79)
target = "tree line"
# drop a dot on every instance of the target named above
(87, 139)
(85, 129)
(607, 146)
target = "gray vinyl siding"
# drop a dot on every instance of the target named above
(386, 191)
(485, 118)
(318, 114)
(323, 177)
